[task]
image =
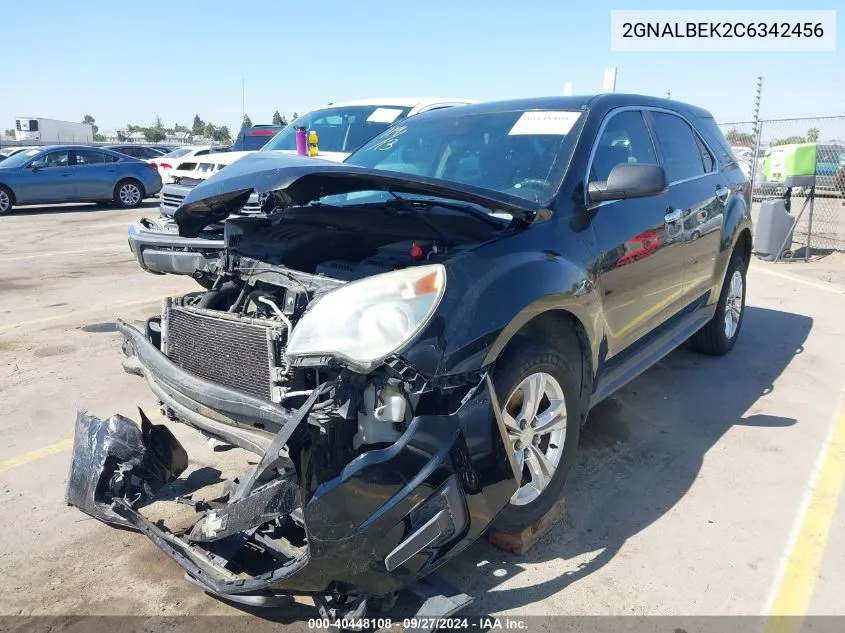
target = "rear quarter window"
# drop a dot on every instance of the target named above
(710, 131)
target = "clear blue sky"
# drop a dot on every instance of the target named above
(125, 62)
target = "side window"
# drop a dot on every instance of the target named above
(88, 157)
(202, 152)
(682, 157)
(625, 139)
(706, 156)
(52, 159)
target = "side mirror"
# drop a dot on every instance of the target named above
(35, 167)
(630, 180)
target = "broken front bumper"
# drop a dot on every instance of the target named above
(160, 249)
(390, 516)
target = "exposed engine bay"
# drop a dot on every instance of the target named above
(353, 441)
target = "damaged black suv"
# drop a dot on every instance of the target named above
(411, 341)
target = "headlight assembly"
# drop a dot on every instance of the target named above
(365, 321)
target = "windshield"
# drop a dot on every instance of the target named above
(248, 143)
(342, 129)
(19, 159)
(176, 153)
(518, 153)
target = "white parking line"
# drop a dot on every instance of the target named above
(798, 571)
(829, 287)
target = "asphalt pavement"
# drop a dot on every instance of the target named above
(707, 486)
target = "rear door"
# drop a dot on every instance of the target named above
(95, 173)
(696, 199)
(642, 268)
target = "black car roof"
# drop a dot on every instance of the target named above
(600, 102)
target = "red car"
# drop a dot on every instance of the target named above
(639, 246)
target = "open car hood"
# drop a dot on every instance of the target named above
(298, 180)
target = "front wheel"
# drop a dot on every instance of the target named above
(128, 194)
(538, 392)
(718, 337)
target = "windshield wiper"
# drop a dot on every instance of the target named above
(405, 204)
(467, 207)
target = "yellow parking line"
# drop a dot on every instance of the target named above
(60, 253)
(829, 287)
(38, 453)
(64, 315)
(801, 569)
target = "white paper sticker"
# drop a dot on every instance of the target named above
(545, 122)
(384, 115)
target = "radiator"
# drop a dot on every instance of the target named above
(237, 354)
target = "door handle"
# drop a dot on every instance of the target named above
(672, 215)
(722, 193)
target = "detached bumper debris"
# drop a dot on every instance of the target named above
(115, 458)
(386, 520)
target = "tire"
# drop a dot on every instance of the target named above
(6, 200)
(718, 337)
(519, 367)
(128, 194)
(695, 235)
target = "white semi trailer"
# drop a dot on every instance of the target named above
(41, 131)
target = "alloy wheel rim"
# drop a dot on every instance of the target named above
(535, 417)
(733, 304)
(129, 194)
(4, 202)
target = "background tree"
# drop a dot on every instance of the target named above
(813, 135)
(222, 135)
(277, 118)
(89, 120)
(294, 117)
(153, 135)
(247, 122)
(157, 125)
(739, 139)
(9, 133)
(209, 130)
(198, 128)
(789, 140)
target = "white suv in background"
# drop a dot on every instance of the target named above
(341, 129)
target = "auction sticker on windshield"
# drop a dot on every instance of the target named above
(545, 122)
(384, 115)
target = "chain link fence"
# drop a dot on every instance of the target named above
(777, 148)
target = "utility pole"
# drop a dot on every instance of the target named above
(243, 99)
(668, 94)
(609, 82)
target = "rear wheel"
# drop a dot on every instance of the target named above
(538, 392)
(128, 194)
(5, 200)
(718, 337)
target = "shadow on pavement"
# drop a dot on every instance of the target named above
(640, 452)
(57, 209)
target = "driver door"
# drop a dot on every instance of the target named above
(641, 271)
(51, 180)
